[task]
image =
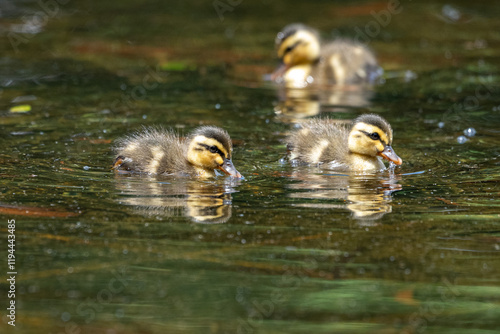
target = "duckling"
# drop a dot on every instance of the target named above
(355, 148)
(305, 60)
(158, 151)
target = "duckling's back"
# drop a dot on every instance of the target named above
(154, 151)
(320, 141)
(347, 62)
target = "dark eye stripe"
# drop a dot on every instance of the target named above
(373, 137)
(213, 149)
(291, 47)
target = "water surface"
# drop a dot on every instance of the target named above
(287, 249)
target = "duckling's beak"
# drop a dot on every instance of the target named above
(389, 154)
(279, 72)
(228, 168)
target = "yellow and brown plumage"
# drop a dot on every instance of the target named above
(358, 147)
(159, 151)
(306, 61)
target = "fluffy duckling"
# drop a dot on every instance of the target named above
(305, 60)
(359, 147)
(157, 151)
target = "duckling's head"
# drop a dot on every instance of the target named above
(298, 44)
(371, 135)
(210, 148)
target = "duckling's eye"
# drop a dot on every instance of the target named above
(374, 136)
(213, 149)
(291, 47)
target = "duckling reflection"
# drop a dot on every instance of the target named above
(296, 104)
(206, 202)
(368, 197)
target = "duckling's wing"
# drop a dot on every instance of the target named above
(152, 150)
(320, 141)
(349, 62)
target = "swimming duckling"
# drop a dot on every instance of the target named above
(157, 151)
(356, 148)
(306, 61)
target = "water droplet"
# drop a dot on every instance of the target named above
(441, 125)
(461, 139)
(86, 167)
(451, 13)
(470, 132)
(217, 106)
(65, 316)
(410, 75)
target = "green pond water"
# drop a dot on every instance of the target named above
(287, 249)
